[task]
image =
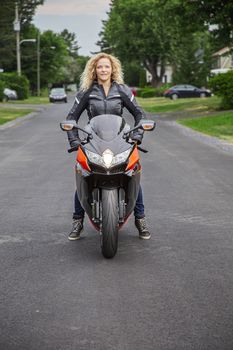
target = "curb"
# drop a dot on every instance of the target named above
(20, 119)
(208, 140)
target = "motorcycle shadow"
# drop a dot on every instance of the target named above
(130, 247)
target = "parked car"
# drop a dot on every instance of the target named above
(10, 94)
(58, 95)
(183, 91)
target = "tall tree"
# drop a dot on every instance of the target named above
(138, 30)
(157, 33)
(71, 42)
(216, 13)
(7, 35)
(191, 59)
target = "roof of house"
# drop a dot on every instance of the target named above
(222, 51)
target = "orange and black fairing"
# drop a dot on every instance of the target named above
(133, 160)
(82, 159)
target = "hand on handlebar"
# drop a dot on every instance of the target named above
(74, 145)
(137, 136)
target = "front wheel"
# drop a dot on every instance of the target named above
(110, 225)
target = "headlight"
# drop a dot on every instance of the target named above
(107, 159)
(121, 157)
(94, 157)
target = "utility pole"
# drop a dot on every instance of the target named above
(17, 30)
(38, 64)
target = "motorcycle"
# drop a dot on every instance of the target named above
(108, 173)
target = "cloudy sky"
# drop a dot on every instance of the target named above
(82, 17)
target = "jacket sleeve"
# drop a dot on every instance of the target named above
(130, 103)
(80, 104)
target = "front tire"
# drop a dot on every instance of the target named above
(110, 225)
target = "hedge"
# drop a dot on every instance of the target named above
(152, 92)
(15, 82)
(2, 87)
(222, 85)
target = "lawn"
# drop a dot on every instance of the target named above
(193, 105)
(32, 100)
(8, 114)
(219, 126)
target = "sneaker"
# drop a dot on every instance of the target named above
(142, 228)
(76, 230)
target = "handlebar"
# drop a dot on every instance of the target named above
(73, 149)
(139, 148)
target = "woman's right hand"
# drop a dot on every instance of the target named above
(75, 143)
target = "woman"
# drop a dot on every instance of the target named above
(102, 91)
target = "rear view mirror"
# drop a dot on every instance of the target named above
(147, 125)
(67, 125)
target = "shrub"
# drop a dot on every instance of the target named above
(148, 92)
(152, 92)
(222, 85)
(2, 87)
(18, 83)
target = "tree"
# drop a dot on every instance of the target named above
(54, 56)
(191, 59)
(7, 35)
(137, 30)
(133, 72)
(81, 63)
(157, 33)
(213, 12)
(71, 42)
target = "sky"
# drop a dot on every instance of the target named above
(82, 17)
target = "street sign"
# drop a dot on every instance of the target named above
(17, 26)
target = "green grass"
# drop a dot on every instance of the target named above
(219, 126)
(32, 100)
(193, 105)
(8, 114)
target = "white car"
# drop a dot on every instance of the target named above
(10, 94)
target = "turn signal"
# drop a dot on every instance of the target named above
(148, 125)
(66, 126)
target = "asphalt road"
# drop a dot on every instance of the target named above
(174, 292)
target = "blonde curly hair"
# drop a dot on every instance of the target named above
(89, 73)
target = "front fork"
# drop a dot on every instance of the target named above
(97, 210)
(96, 206)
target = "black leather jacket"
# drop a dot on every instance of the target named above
(96, 102)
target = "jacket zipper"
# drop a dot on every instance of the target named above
(105, 106)
(105, 98)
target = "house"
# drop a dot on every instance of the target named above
(167, 77)
(222, 61)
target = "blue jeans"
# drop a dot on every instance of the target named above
(138, 209)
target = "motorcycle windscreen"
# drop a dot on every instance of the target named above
(107, 126)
